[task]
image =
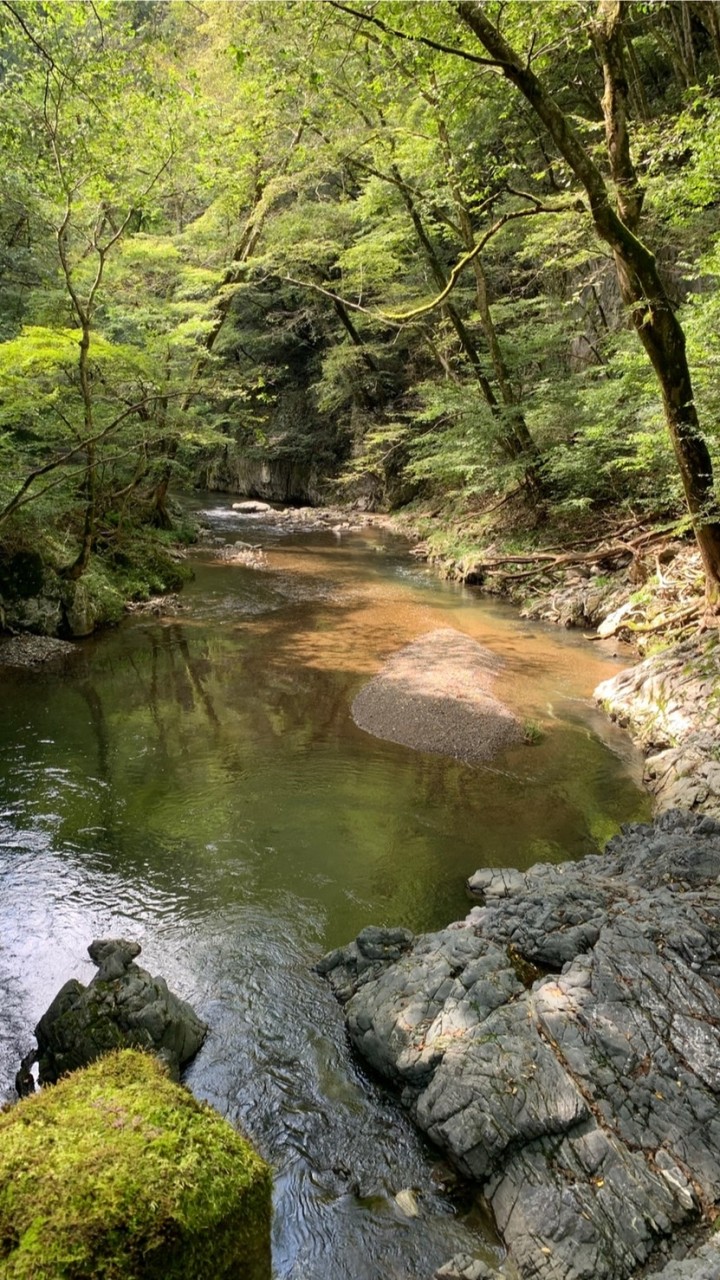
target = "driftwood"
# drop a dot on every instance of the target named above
(552, 560)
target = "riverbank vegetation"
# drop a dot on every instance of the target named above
(459, 256)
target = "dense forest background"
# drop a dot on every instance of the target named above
(456, 254)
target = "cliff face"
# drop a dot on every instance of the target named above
(284, 480)
(288, 457)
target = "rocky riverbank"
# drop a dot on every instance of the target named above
(647, 593)
(561, 1044)
(635, 590)
(670, 704)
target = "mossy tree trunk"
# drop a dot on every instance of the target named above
(641, 286)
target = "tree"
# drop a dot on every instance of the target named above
(100, 128)
(651, 310)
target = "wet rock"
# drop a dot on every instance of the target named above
(251, 507)
(583, 1099)
(465, 1267)
(373, 949)
(670, 703)
(242, 553)
(407, 1202)
(165, 606)
(24, 1078)
(122, 1007)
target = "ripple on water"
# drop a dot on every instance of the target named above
(198, 784)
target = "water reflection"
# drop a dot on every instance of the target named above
(197, 782)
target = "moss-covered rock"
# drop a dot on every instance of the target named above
(116, 1172)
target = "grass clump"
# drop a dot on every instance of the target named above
(532, 733)
(116, 1172)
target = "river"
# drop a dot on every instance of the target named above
(196, 782)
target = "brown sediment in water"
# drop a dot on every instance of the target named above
(435, 695)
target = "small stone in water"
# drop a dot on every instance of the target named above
(406, 1201)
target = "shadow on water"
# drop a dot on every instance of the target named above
(197, 782)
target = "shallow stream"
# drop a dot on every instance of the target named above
(197, 782)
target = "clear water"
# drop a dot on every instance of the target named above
(196, 782)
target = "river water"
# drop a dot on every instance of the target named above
(196, 782)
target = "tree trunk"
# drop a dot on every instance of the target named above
(507, 439)
(707, 13)
(643, 292)
(81, 561)
(515, 418)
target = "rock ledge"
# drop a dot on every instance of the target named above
(562, 1045)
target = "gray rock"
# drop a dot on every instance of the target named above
(704, 1265)
(122, 1007)
(251, 507)
(671, 705)
(465, 1267)
(562, 1045)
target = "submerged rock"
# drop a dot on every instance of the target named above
(562, 1045)
(123, 1007)
(435, 695)
(118, 1172)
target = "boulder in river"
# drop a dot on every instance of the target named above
(251, 507)
(562, 1045)
(118, 1172)
(122, 1007)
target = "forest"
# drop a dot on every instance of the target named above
(428, 890)
(459, 257)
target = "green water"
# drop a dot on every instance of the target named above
(197, 782)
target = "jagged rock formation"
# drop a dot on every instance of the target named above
(123, 1007)
(562, 1044)
(670, 703)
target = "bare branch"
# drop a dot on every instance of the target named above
(33, 40)
(416, 39)
(70, 454)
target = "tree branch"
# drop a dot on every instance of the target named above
(407, 35)
(473, 253)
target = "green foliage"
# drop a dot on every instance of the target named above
(532, 733)
(116, 1171)
(235, 203)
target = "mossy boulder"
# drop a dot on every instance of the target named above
(117, 1172)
